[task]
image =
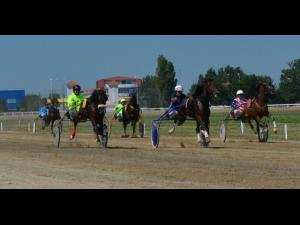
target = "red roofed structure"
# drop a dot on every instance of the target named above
(71, 84)
(119, 87)
(114, 81)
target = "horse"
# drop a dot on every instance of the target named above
(257, 108)
(53, 114)
(94, 109)
(131, 114)
(197, 106)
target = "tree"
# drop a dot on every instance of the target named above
(289, 86)
(166, 81)
(149, 93)
(54, 95)
(229, 79)
(31, 102)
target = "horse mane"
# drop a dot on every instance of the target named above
(94, 97)
(133, 99)
(54, 100)
(200, 88)
(259, 86)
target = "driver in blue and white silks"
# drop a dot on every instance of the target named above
(43, 111)
(177, 99)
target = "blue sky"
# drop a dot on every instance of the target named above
(28, 62)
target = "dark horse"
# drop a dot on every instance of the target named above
(94, 109)
(53, 114)
(197, 107)
(257, 108)
(131, 114)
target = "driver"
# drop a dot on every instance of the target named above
(238, 105)
(74, 101)
(119, 110)
(177, 99)
(43, 111)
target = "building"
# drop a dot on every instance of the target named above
(86, 91)
(118, 87)
(12, 99)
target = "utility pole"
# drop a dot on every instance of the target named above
(137, 90)
(51, 87)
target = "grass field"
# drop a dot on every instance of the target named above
(291, 117)
(30, 160)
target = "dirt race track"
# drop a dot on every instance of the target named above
(30, 161)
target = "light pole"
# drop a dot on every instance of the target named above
(137, 90)
(51, 87)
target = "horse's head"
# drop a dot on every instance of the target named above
(209, 89)
(55, 102)
(99, 99)
(132, 99)
(265, 90)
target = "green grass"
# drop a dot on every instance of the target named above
(282, 116)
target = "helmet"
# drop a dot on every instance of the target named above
(123, 100)
(178, 88)
(239, 92)
(77, 88)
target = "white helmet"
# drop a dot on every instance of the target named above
(178, 88)
(239, 92)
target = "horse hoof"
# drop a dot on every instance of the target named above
(171, 131)
(125, 136)
(182, 145)
(207, 140)
(71, 138)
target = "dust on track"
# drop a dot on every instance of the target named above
(30, 161)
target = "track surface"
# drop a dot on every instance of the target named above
(30, 161)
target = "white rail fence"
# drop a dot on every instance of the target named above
(110, 110)
(12, 121)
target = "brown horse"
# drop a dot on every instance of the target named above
(53, 114)
(197, 107)
(131, 114)
(94, 111)
(257, 108)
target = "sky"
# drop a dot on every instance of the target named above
(30, 61)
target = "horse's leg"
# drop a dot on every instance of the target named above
(202, 129)
(133, 129)
(52, 122)
(96, 132)
(274, 123)
(257, 128)
(73, 131)
(124, 128)
(252, 127)
(205, 130)
(198, 132)
(172, 129)
(207, 124)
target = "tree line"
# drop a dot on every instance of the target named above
(156, 90)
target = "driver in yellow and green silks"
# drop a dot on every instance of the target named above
(74, 101)
(119, 110)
